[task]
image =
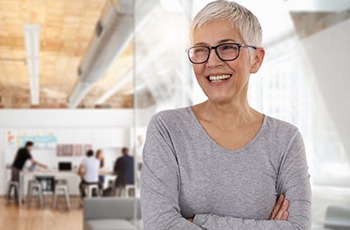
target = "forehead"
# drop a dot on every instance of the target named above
(213, 32)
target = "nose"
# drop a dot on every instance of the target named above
(213, 59)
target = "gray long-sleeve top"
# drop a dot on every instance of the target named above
(185, 173)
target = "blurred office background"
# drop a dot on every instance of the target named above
(126, 60)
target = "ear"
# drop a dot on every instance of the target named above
(257, 59)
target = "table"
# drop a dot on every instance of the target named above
(109, 177)
(72, 178)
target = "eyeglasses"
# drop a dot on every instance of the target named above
(226, 52)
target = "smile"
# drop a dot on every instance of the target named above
(219, 78)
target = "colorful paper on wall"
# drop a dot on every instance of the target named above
(41, 138)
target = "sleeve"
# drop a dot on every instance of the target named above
(16, 156)
(117, 165)
(160, 182)
(83, 163)
(29, 155)
(293, 181)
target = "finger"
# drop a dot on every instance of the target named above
(285, 215)
(277, 206)
(283, 209)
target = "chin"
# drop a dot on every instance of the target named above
(220, 99)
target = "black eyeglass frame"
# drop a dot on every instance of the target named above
(210, 48)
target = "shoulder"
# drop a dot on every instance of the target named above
(130, 157)
(282, 132)
(21, 150)
(96, 161)
(278, 127)
(28, 154)
(172, 118)
(118, 159)
(170, 115)
(172, 123)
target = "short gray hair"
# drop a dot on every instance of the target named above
(236, 14)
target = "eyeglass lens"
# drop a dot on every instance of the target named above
(225, 52)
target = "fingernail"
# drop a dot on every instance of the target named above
(285, 202)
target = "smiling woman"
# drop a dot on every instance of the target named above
(221, 164)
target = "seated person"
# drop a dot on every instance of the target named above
(100, 157)
(88, 170)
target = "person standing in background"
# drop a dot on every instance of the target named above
(23, 154)
(124, 169)
(88, 170)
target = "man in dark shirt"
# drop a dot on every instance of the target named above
(124, 169)
(23, 154)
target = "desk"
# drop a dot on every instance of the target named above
(72, 178)
(109, 177)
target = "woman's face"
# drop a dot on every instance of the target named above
(236, 73)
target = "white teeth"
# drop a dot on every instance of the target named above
(219, 78)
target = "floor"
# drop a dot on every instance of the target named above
(14, 218)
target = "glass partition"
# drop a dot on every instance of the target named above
(162, 77)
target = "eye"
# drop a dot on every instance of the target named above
(199, 50)
(228, 47)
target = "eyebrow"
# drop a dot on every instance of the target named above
(219, 42)
(226, 40)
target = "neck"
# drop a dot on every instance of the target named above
(233, 114)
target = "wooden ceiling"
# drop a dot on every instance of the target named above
(66, 28)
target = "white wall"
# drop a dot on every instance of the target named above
(3, 174)
(329, 55)
(62, 118)
(106, 129)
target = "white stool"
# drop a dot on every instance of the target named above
(15, 186)
(89, 188)
(129, 187)
(123, 191)
(61, 186)
(34, 185)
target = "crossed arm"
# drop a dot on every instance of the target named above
(279, 212)
(158, 213)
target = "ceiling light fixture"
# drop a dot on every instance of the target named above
(32, 46)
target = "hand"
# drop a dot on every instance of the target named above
(42, 165)
(280, 211)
